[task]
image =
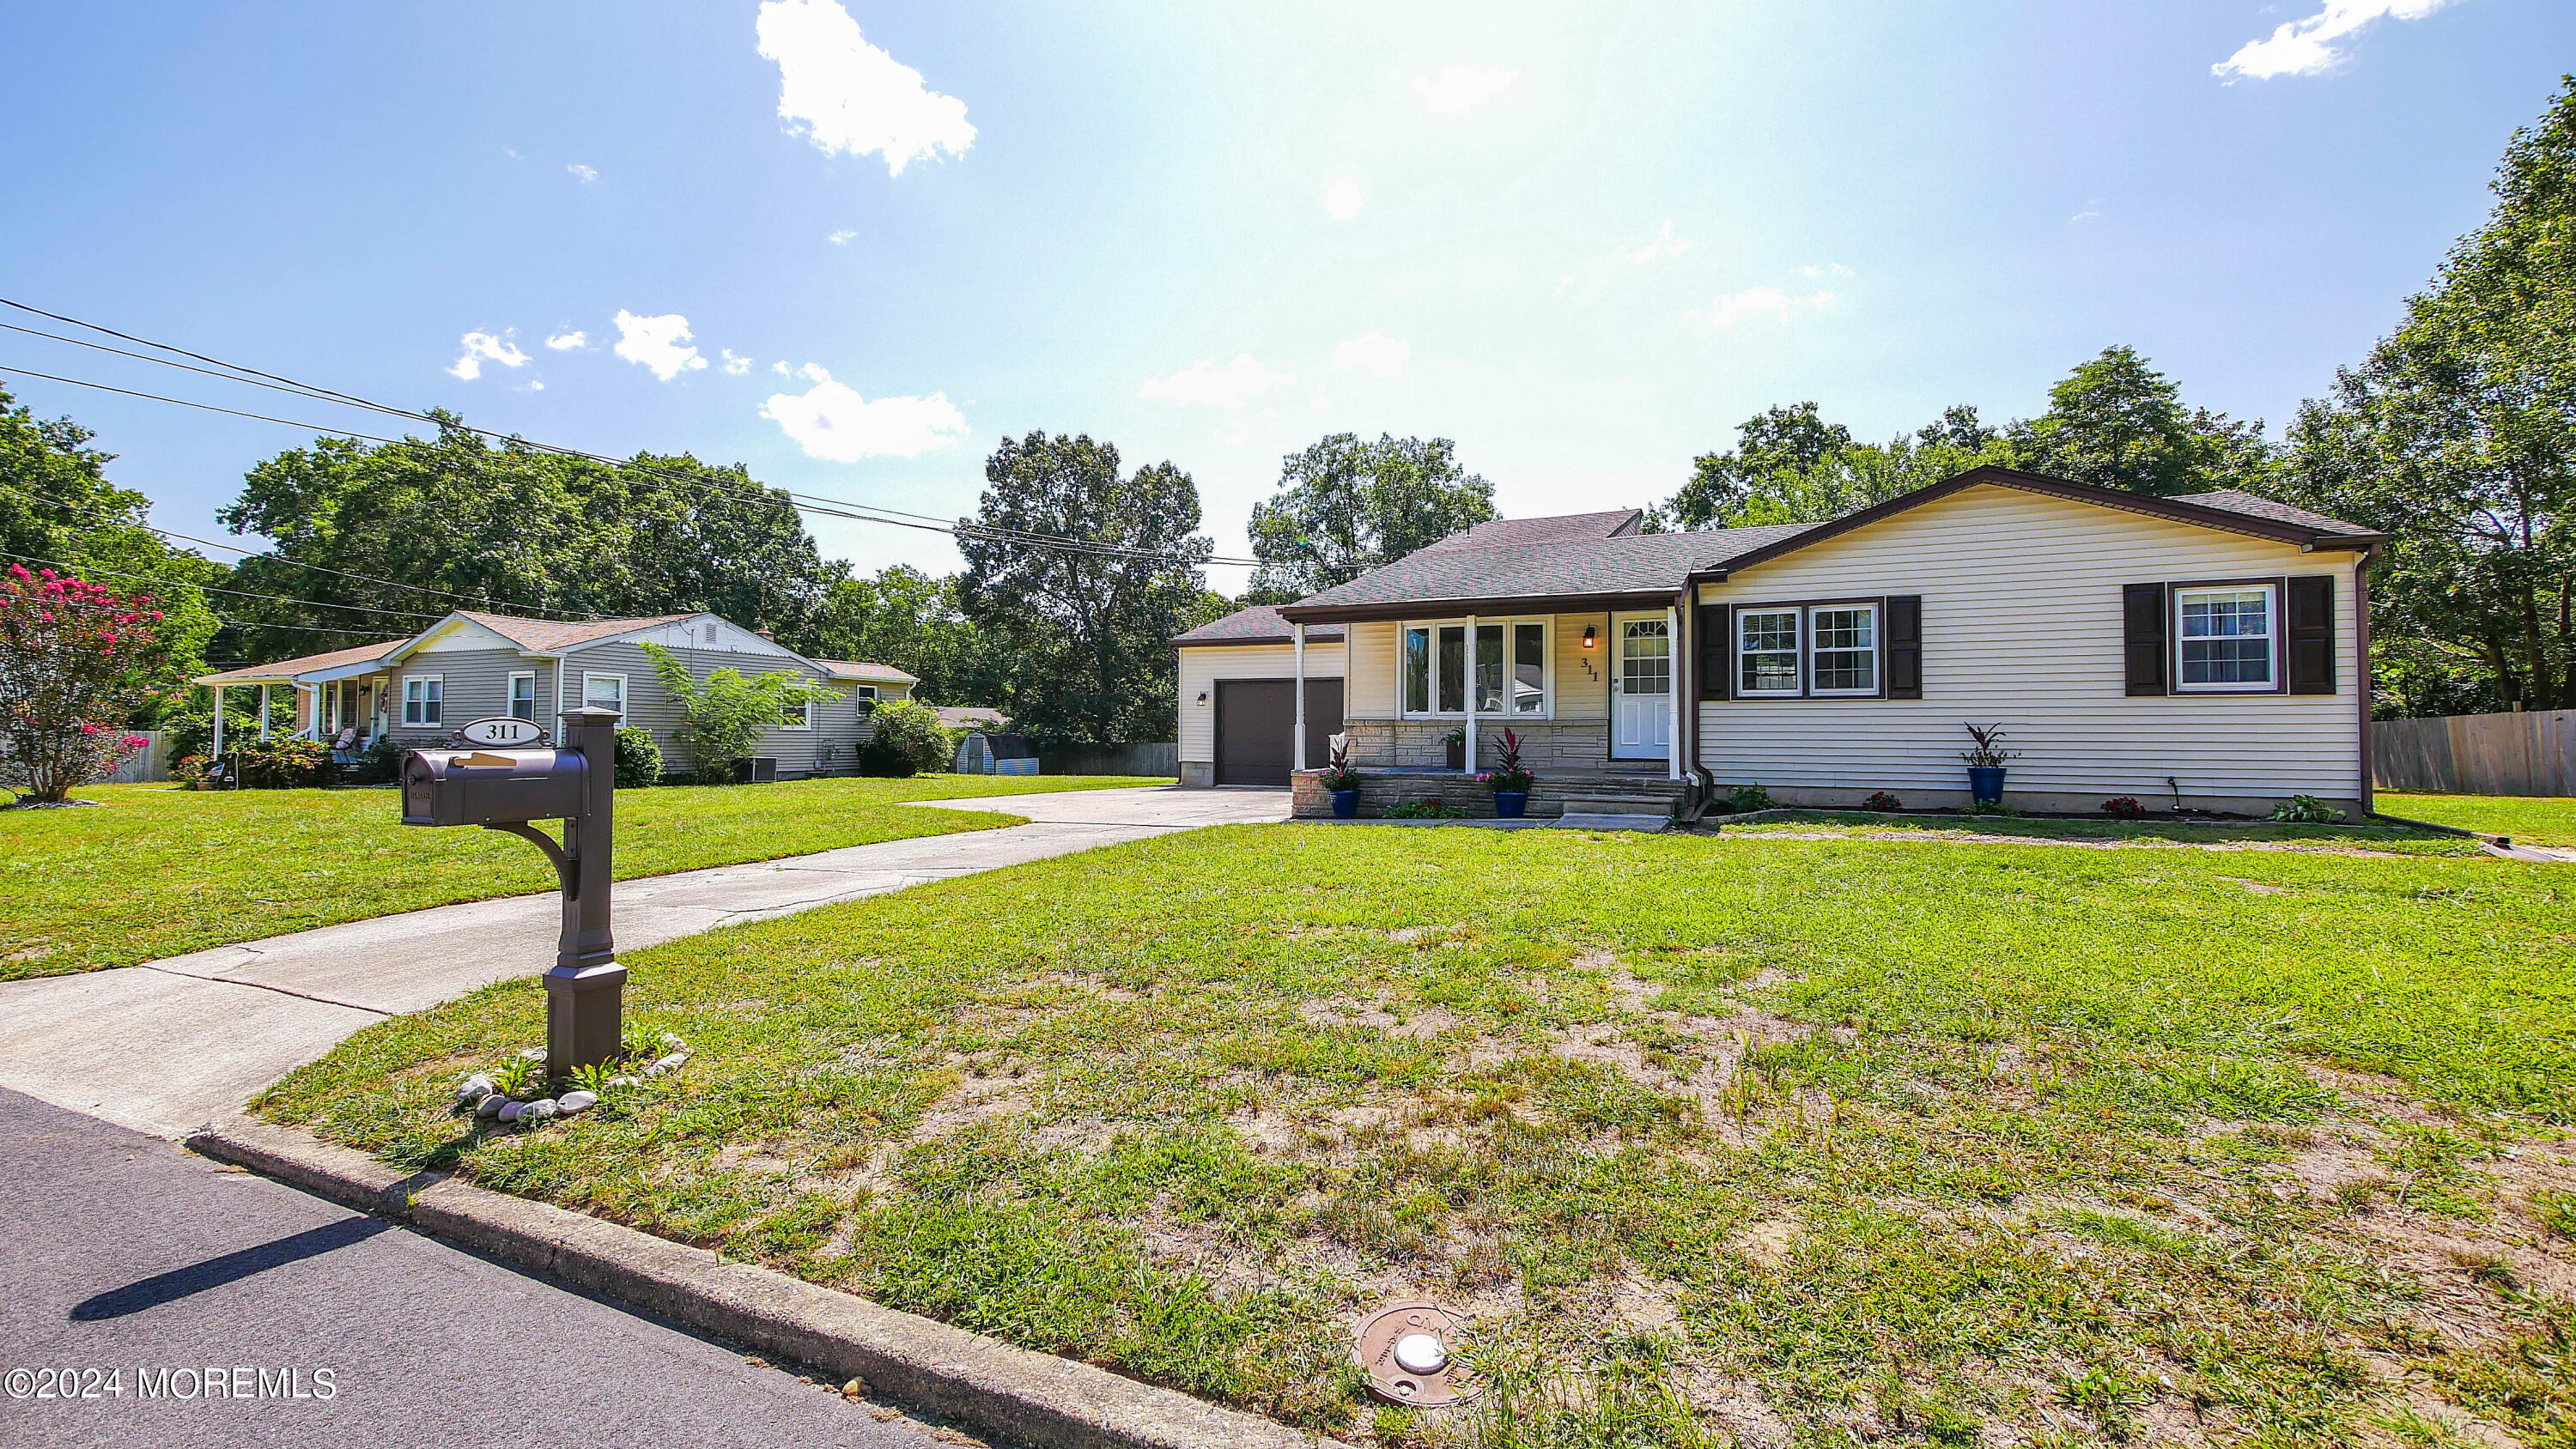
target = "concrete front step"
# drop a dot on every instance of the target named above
(1648, 796)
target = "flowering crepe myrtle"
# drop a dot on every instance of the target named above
(72, 655)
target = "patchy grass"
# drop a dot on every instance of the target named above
(2380, 839)
(160, 871)
(1718, 1140)
(2529, 819)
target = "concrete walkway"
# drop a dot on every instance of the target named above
(163, 1047)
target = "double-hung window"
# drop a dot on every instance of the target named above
(1766, 651)
(424, 701)
(1505, 672)
(523, 696)
(1844, 649)
(2227, 637)
(797, 716)
(604, 691)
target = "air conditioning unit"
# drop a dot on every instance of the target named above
(758, 770)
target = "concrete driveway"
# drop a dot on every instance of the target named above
(163, 1047)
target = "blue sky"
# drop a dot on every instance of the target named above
(1584, 241)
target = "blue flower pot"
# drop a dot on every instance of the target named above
(1511, 804)
(1986, 784)
(1346, 804)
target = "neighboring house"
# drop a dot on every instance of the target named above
(472, 665)
(2207, 649)
(1238, 677)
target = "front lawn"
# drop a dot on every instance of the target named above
(160, 871)
(2147, 834)
(1767, 1138)
(2529, 819)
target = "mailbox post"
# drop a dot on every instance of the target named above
(504, 789)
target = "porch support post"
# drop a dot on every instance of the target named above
(263, 711)
(1471, 694)
(1298, 751)
(1673, 692)
(218, 745)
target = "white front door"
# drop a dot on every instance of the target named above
(1641, 691)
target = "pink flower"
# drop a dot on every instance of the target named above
(135, 742)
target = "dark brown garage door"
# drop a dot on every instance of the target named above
(1254, 723)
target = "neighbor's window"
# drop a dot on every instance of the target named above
(423, 700)
(523, 696)
(1845, 641)
(607, 691)
(1766, 640)
(2225, 638)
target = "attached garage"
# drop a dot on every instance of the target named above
(1238, 713)
(1256, 722)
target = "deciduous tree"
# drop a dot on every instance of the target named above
(1345, 506)
(72, 657)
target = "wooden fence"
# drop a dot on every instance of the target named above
(2530, 753)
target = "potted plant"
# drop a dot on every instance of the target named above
(1343, 781)
(1455, 742)
(1510, 781)
(1986, 764)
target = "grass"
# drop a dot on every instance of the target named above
(161, 871)
(1718, 1139)
(2529, 819)
(2383, 839)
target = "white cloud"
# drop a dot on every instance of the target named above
(584, 172)
(1665, 245)
(568, 341)
(1458, 89)
(510, 151)
(735, 364)
(1813, 270)
(1373, 352)
(2092, 212)
(832, 422)
(1228, 385)
(660, 343)
(1726, 311)
(1321, 400)
(781, 368)
(1345, 193)
(849, 95)
(483, 347)
(842, 238)
(2307, 47)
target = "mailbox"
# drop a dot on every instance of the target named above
(491, 787)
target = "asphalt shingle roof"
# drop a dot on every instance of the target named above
(543, 634)
(1562, 528)
(2237, 501)
(1641, 563)
(303, 663)
(1256, 624)
(866, 673)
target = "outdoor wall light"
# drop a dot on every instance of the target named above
(1591, 637)
(1202, 696)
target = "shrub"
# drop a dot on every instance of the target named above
(380, 763)
(639, 759)
(1881, 800)
(283, 763)
(908, 739)
(1994, 808)
(1744, 799)
(188, 772)
(725, 716)
(71, 662)
(1425, 809)
(2305, 810)
(2124, 807)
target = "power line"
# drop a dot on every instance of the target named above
(87, 569)
(816, 503)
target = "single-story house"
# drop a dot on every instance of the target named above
(472, 665)
(2206, 650)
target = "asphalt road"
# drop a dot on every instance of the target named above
(164, 1272)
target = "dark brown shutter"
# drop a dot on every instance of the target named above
(2312, 634)
(1713, 652)
(2142, 636)
(1905, 646)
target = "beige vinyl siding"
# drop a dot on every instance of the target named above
(2022, 626)
(1583, 692)
(1203, 665)
(1369, 693)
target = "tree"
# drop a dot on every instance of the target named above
(1345, 507)
(1086, 629)
(906, 739)
(727, 714)
(2456, 436)
(2118, 422)
(908, 619)
(1790, 466)
(72, 658)
(461, 522)
(1773, 442)
(58, 510)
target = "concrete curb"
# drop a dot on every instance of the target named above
(1010, 1393)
